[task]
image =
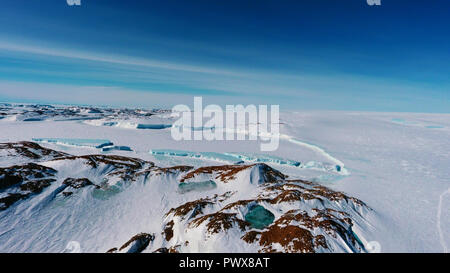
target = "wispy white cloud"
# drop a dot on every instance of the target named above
(91, 78)
(144, 70)
(113, 59)
(92, 95)
(103, 95)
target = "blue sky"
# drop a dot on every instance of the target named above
(315, 54)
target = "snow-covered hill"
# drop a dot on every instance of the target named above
(216, 208)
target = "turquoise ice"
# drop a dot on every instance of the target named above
(259, 217)
(200, 155)
(94, 143)
(196, 186)
(153, 126)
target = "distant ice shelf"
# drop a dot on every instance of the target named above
(94, 143)
(239, 158)
(153, 126)
(415, 123)
(199, 155)
(34, 119)
(78, 119)
(116, 148)
(400, 121)
(264, 159)
(128, 124)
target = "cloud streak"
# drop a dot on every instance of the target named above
(54, 74)
(113, 59)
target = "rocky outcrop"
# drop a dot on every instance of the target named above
(114, 166)
(136, 244)
(25, 152)
(310, 218)
(255, 206)
(227, 173)
(78, 183)
(21, 181)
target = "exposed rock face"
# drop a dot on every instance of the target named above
(24, 152)
(311, 218)
(114, 166)
(172, 249)
(293, 231)
(196, 207)
(168, 231)
(77, 183)
(227, 173)
(19, 182)
(122, 163)
(135, 245)
(175, 170)
(219, 222)
(22, 181)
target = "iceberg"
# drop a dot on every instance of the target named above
(110, 123)
(264, 159)
(84, 118)
(199, 155)
(239, 158)
(116, 148)
(153, 126)
(34, 119)
(169, 152)
(324, 167)
(94, 143)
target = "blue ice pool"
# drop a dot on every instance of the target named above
(196, 186)
(259, 217)
(107, 193)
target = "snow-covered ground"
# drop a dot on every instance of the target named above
(398, 164)
(401, 169)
